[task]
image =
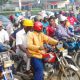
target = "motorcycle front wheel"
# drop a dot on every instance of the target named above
(70, 74)
(78, 59)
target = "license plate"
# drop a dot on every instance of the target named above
(8, 63)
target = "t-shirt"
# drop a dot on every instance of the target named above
(72, 20)
(45, 25)
(3, 36)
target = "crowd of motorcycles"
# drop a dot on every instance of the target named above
(65, 67)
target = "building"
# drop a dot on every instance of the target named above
(55, 4)
(25, 4)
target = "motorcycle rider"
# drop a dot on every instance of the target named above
(35, 47)
(21, 38)
(4, 37)
(62, 30)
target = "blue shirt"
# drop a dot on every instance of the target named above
(45, 24)
(62, 31)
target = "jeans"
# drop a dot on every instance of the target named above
(37, 65)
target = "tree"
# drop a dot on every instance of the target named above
(3, 2)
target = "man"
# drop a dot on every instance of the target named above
(21, 38)
(35, 47)
(71, 18)
(4, 37)
(62, 30)
(51, 29)
(45, 24)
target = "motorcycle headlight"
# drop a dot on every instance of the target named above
(8, 63)
(65, 52)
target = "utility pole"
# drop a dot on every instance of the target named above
(20, 5)
(46, 4)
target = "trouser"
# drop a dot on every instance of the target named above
(25, 57)
(37, 65)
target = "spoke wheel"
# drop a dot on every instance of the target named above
(78, 60)
(70, 74)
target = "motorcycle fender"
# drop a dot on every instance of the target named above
(68, 56)
(73, 67)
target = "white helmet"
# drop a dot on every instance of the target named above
(62, 18)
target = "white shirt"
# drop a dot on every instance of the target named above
(9, 28)
(21, 39)
(3, 36)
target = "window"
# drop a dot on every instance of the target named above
(51, 6)
(55, 6)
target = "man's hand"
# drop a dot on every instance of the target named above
(28, 54)
(41, 48)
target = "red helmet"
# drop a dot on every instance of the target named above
(38, 26)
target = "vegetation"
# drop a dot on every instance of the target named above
(3, 2)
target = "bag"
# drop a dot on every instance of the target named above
(2, 48)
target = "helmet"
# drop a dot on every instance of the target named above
(27, 23)
(38, 26)
(11, 17)
(62, 18)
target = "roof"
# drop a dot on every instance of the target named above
(53, 3)
(22, 0)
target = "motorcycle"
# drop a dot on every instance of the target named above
(5, 66)
(65, 68)
(77, 57)
(61, 62)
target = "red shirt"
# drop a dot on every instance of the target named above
(72, 20)
(50, 31)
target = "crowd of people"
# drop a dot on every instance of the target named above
(27, 37)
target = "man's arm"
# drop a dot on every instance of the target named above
(61, 33)
(6, 38)
(49, 40)
(22, 48)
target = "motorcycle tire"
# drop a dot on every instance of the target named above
(70, 61)
(78, 59)
(70, 75)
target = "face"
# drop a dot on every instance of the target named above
(0, 25)
(64, 23)
(45, 20)
(27, 29)
(52, 22)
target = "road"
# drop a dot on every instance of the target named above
(54, 78)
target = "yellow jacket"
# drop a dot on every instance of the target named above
(35, 40)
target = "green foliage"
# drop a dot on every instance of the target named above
(3, 2)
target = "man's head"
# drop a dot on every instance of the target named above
(16, 24)
(38, 26)
(0, 25)
(71, 14)
(27, 25)
(52, 21)
(63, 20)
(45, 19)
